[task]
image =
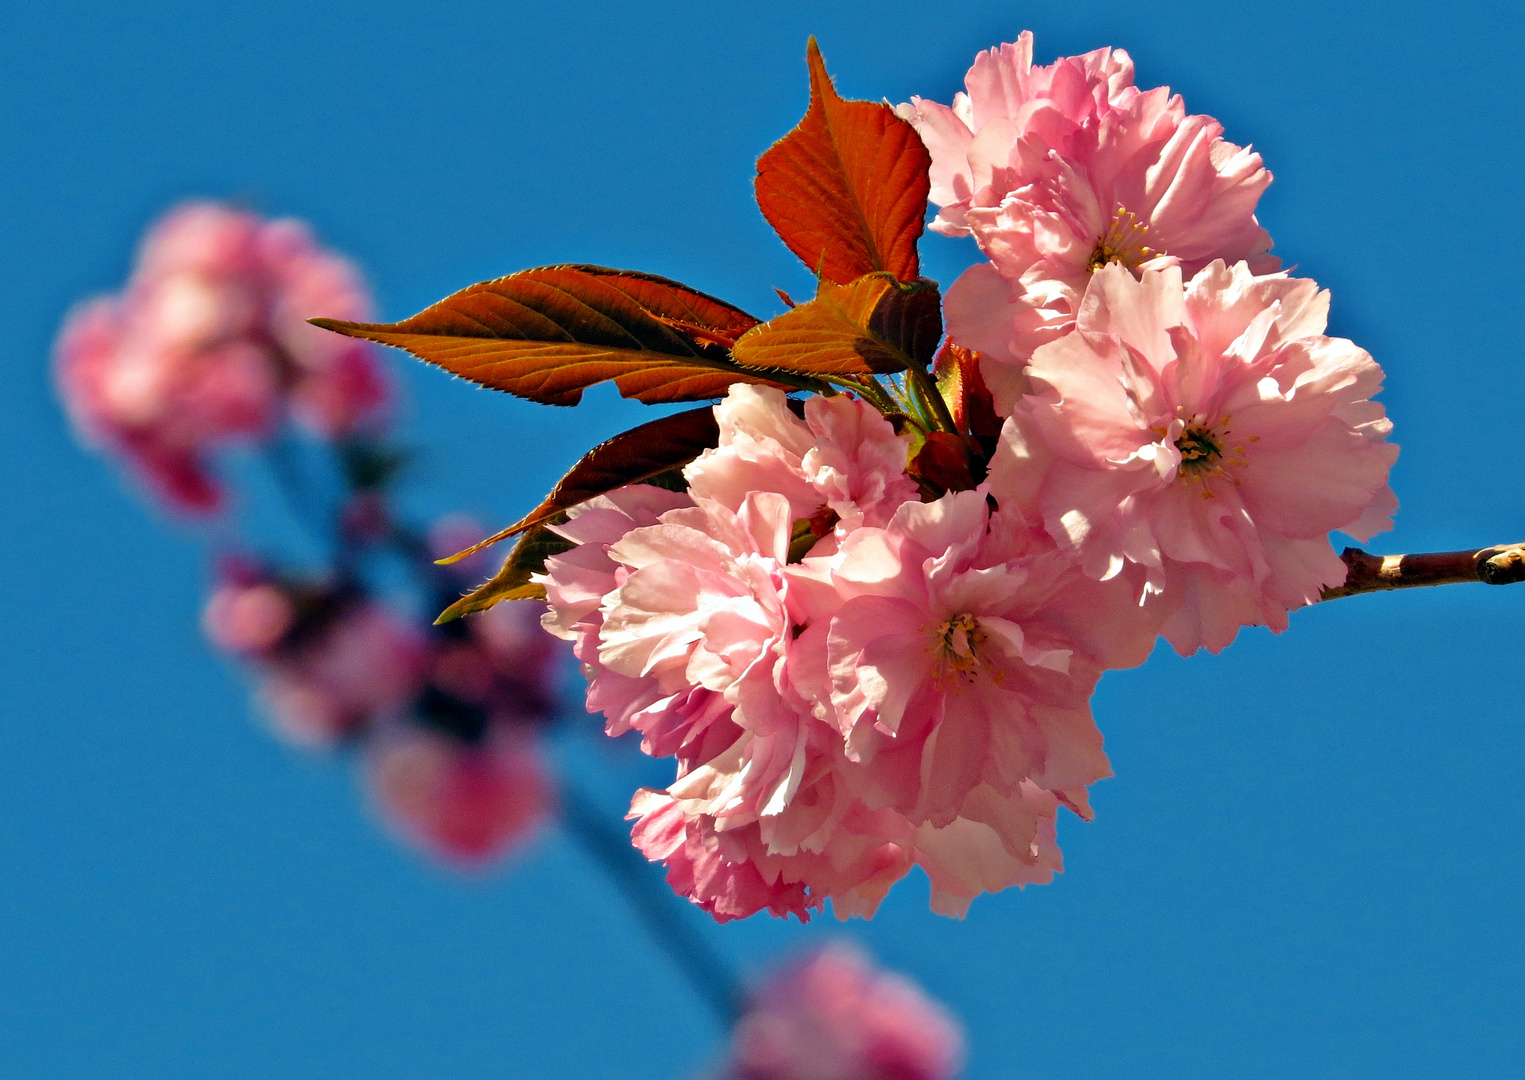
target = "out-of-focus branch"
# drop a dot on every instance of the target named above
(1501, 565)
(706, 971)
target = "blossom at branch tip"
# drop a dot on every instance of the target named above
(209, 344)
(912, 690)
(1056, 171)
(836, 1016)
(1207, 435)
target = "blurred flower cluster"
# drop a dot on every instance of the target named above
(209, 345)
(835, 1016)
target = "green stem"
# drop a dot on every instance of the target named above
(933, 397)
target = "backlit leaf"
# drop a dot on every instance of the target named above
(873, 326)
(963, 387)
(512, 581)
(637, 455)
(847, 188)
(549, 333)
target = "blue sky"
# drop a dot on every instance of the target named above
(1309, 862)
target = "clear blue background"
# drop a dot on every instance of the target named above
(1310, 861)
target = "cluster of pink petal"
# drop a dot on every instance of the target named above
(1203, 438)
(209, 343)
(834, 1016)
(853, 681)
(445, 719)
(1058, 170)
(914, 691)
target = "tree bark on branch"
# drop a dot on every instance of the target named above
(1500, 565)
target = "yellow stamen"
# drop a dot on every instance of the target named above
(1123, 242)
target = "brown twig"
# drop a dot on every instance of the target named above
(1501, 565)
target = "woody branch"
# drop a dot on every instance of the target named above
(1500, 565)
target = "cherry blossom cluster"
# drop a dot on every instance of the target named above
(855, 674)
(209, 346)
(834, 1016)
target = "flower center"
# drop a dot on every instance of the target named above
(1123, 242)
(958, 646)
(1200, 449)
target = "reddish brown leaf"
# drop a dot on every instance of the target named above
(512, 582)
(548, 334)
(872, 326)
(694, 313)
(628, 458)
(847, 188)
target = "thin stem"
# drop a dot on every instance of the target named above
(871, 390)
(1500, 565)
(929, 391)
(294, 489)
(707, 973)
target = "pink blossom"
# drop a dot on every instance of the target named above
(1207, 435)
(842, 457)
(811, 763)
(576, 583)
(1058, 170)
(954, 663)
(822, 844)
(208, 344)
(834, 1016)
(328, 663)
(249, 619)
(469, 803)
(826, 844)
(701, 607)
(680, 615)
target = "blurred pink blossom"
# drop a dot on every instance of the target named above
(468, 803)
(835, 1016)
(1208, 436)
(328, 663)
(209, 344)
(1058, 170)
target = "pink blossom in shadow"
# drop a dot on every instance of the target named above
(209, 345)
(836, 1016)
(1058, 170)
(1204, 438)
